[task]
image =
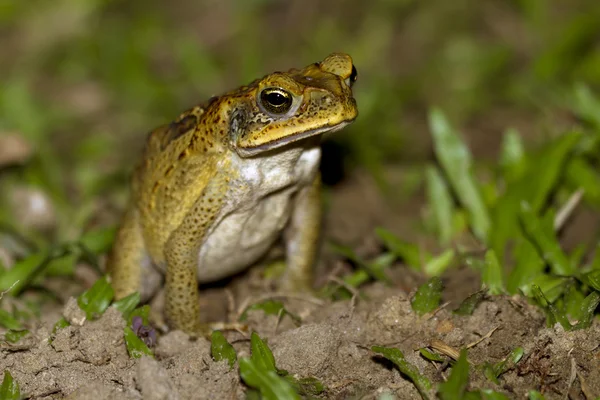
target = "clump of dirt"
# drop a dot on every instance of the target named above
(75, 357)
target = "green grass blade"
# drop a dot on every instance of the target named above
(408, 252)
(221, 349)
(595, 265)
(488, 394)
(541, 233)
(269, 307)
(493, 371)
(99, 241)
(535, 395)
(429, 355)
(428, 296)
(456, 385)
(553, 287)
(581, 174)
(9, 390)
(528, 265)
(440, 263)
(588, 306)
(422, 384)
(441, 204)
(552, 312)
(261, 354)
(19, 276)
(354, 280)
(534, 187)
(468, 305)
(592, 278)
(455, 158)
(271, 385)
(572, 299)
(512, 156)
(127, 304)
(349, 253)
(378, 266)
(585, 104)
(492, 274)
(577, 254)
(135, 346)
(505, 218)
(64, 265)
(96, 299)
(306, 386)
(8, 321)
(60, 324)
(549, 167)
(13, 336)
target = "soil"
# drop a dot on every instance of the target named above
(88, 360)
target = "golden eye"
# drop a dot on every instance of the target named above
(275, 100)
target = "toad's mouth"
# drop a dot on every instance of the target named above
(275, 144)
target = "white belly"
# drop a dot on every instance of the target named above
(257, 210)
(241, 238)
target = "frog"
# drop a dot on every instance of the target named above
(219, 186)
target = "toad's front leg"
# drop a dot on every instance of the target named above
(181, 253)
(302, 238)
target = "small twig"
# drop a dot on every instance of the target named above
(567, 209)
(432, 314)
(280, 316)
(453, 352)
(230, 301)
(9, 289)
(573, 375)
(229, 326)
(445, 349)
(487, 335)
(345, 285)
(585, 388)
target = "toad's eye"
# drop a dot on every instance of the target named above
(275, 100)
(353, 75)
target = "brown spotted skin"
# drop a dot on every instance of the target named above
(217, 186)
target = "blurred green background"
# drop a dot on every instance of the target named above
(83, 81)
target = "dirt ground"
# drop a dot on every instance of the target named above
(332, 343)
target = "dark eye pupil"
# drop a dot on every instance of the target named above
(276, 99)
(353, 74)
